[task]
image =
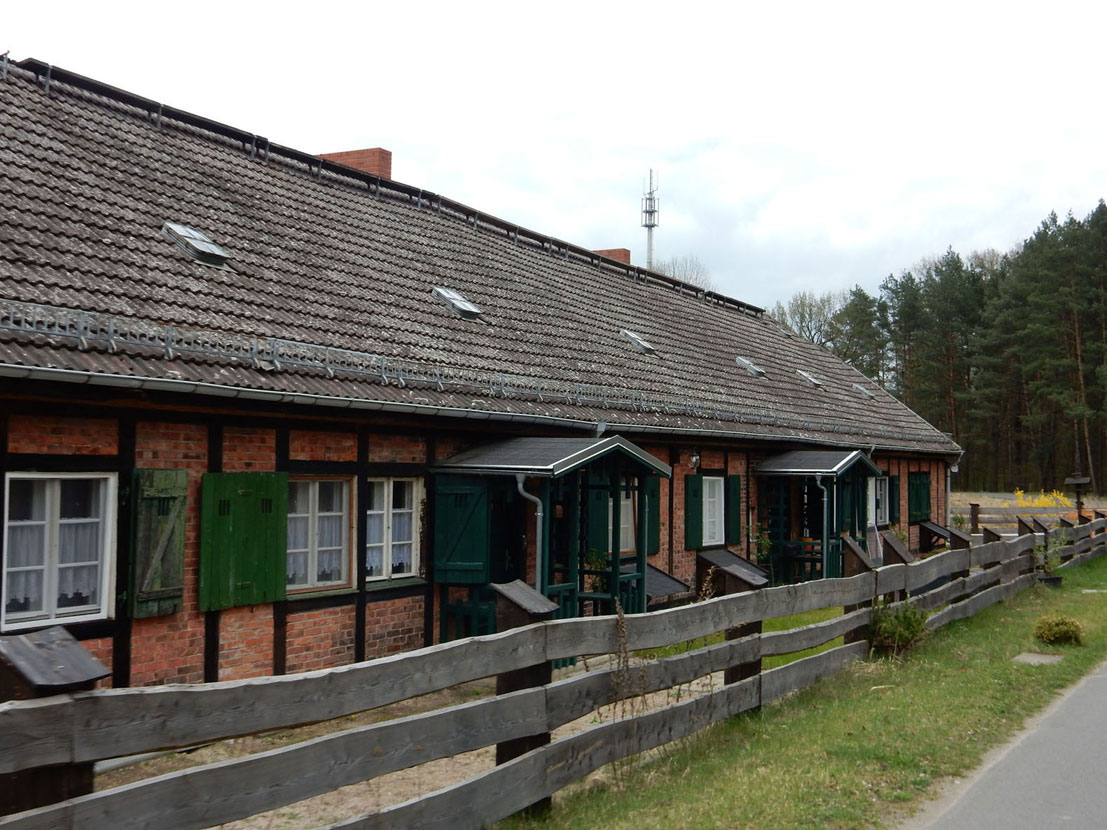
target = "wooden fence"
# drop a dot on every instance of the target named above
(976, 517)
(89, 726)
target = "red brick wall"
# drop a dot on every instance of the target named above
(393, 625)
(65, 436)
(246, 642)
(903, 468)
(170, 649)
(101, 649)
(407, 449)
(246, 449)
(310, 445)
(684, 560)
(319, 639)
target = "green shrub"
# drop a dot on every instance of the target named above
(897, 629)
(1058, 629)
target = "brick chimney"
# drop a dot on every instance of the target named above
(620, 254)
(376, 161)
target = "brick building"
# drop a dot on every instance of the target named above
(266, 412)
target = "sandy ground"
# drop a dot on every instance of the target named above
(396, 787)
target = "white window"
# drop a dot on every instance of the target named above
(713, 522)
(627, 499)
(878, 500)
(392, 527)
(319, 551)
(59, 540)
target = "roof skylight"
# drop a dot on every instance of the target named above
(639, 342)
(865, 393)
(751, 367)
(810, 378)
(456, 301)
(196, 244)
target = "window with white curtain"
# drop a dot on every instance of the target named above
(392, 528)
(713, 519)
(318, 533)
(59, 539)
(628, 499)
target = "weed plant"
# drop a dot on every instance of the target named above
(894, 629)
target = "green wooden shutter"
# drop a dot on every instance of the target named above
(243, 539)
(693, 512)
(893, 500)
(599, 510)
(653, 515)
(733, 510)
(918, 497)
(160, 507)
(462, 539)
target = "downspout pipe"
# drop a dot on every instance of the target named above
(539, 535)
(826, 527)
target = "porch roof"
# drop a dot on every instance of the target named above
(814, 463)
(549, 457)
(659, 583)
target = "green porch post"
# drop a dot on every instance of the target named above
(641, 543)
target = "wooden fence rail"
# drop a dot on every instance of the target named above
(89, 726)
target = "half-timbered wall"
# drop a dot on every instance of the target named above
(318, 629)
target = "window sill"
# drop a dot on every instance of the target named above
(309, 593)
(390, 584)
(48, 622)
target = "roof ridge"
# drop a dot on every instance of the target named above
(258, 146)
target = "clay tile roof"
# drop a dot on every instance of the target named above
(328, 296)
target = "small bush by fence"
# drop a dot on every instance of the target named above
(89, 726)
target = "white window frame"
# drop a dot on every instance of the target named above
(878, 500)
(350, 500)
(416, 527)
(51, 613)
(628, 502)
(714, 503)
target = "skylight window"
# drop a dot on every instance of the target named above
(810, 378)
(640, 343)
(196, 244)
(458, 303)
(751, 367)
(865, 393)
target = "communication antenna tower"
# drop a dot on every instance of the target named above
(649, 218)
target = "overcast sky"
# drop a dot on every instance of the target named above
(799, 146)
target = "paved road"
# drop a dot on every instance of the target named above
(1055, 776)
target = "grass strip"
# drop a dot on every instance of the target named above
(861, 748)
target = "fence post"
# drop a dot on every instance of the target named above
(896, 553)
(517, 604)
(733, 584)
(37, 665)
(855, 562)
(974, 517)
